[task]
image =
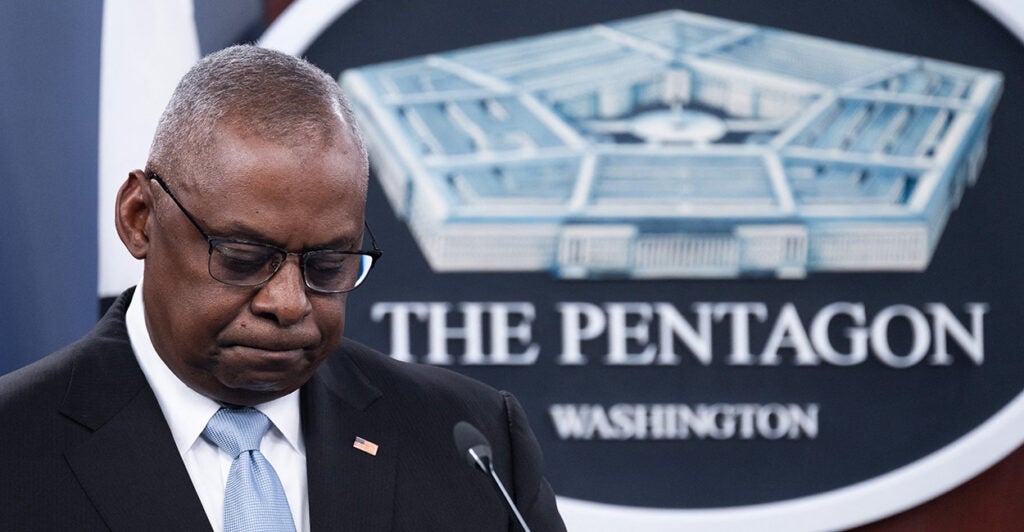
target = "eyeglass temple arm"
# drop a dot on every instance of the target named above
(153, 176)
(373, 240)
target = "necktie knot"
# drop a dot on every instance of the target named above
(254, 498)
(236, 430)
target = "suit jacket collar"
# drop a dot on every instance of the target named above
(128, 465)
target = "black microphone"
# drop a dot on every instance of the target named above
(473, 445)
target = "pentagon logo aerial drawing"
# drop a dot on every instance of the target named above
(675, 145)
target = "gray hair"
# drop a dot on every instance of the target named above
(274, 95)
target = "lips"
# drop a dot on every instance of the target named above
(268, 353)
(268, 348)
(270, 342)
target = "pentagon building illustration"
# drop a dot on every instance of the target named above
(674, 145)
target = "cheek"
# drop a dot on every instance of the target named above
(204, 312)
(330, 317)
(188, 295)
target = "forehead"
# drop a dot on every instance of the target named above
(292, 194)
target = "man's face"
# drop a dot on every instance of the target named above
(247, 345)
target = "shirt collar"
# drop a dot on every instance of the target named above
(186, 410)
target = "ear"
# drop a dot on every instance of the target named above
(132, 212)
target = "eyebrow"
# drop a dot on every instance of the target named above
(240, 231)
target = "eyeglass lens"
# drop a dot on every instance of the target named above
(246, 264)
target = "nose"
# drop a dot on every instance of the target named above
(283, 297)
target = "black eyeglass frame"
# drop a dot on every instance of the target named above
(375, 253)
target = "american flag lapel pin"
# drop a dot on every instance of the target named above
(366, 446)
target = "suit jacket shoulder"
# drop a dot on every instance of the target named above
(86, 446)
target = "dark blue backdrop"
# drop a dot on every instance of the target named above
(49, 136)
(49, 99)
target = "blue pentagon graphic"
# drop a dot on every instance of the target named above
(675, 145)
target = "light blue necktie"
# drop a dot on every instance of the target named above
(253, 498)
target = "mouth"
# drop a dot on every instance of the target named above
(267, 354)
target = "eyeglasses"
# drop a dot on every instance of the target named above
(242, 263)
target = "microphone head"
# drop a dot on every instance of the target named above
(472, 445)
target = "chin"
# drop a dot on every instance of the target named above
(251, 392)
(250, 397)
(270, 387)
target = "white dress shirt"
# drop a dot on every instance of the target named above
(187, 413)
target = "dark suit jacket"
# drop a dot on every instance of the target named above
(84, 446)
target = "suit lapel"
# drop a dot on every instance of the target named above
(133, 474)
(128, 466)
(349, 489)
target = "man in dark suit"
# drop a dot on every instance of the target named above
(250, 219)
